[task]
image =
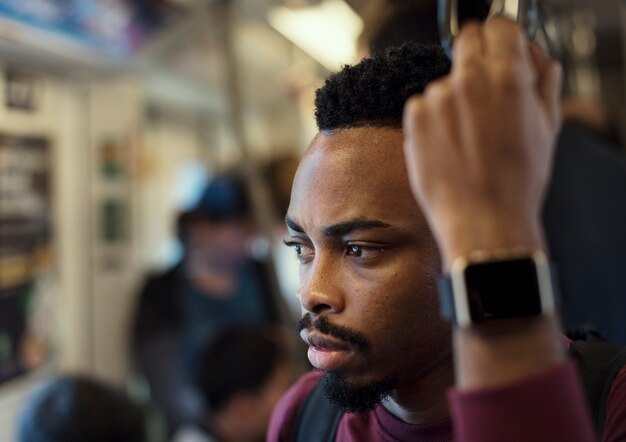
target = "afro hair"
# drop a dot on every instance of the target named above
(374, 91)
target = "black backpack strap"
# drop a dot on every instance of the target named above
(599, 363)
(318, 420)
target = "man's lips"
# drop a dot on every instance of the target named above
(323, 342)
(326, 352)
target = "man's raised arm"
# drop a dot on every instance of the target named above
(479, 145)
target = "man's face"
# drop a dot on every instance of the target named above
(214, 253)
(368, 264)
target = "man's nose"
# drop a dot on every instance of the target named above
(320, 290)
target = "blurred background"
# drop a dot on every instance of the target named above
(114, 116)
(147, 149)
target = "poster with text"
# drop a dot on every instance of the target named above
(25, 258)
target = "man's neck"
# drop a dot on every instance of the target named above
(423, 401)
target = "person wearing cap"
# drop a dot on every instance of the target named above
(216, 284)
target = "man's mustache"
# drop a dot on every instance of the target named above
(323, 325)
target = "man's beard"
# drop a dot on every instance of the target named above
(337, 387)
(353, 398)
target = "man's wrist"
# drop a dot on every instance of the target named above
(488, 235)
(506, 351)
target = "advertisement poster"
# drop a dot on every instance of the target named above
(115, 27)
(25, 258)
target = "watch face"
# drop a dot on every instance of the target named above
(502, 289)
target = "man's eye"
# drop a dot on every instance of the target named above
(364, 253)
(296, 246)
(354, 250)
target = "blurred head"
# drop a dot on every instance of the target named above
(75, 409)
(368, 262)
(240, 375)
(215, 234)
(390, 23)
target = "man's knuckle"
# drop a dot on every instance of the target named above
(468, 31)
(469, 79)
(415, 110)
(508, 75)
(502, 24)
(440, 96)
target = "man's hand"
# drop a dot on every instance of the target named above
(479, 143)
(479, 146)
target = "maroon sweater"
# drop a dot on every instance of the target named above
(547, 407)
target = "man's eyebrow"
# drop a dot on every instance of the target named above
(346, 227)
(293, 225)
(343, 228)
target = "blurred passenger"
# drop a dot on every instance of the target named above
(389, 23)
(216, 284)
(78, 409)
(584, 214)
(240, 375)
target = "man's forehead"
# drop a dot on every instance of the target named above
(352, 174)
(356, 150)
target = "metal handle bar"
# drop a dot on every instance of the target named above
(525, 12)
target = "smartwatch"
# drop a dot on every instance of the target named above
(490, 286)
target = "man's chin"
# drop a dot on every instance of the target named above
(352, 397)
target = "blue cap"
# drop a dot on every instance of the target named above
(225, 197)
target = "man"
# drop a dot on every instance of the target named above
(217, 284)
(478, 146)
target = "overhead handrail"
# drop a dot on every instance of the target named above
(525, 12)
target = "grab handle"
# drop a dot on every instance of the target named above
(524, 12)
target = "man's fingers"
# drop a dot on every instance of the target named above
(468, 46)
(503, 38)
(549, 78)
(414, 123)
(415, 119)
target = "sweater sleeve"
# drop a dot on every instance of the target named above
(615, 423)
(548, 406)
(285, 413)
